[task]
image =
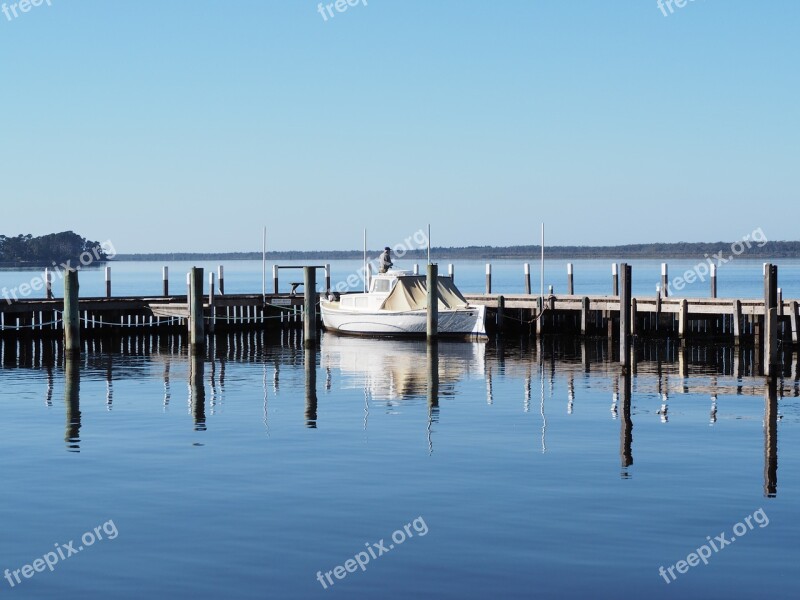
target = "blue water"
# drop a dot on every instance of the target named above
(243, 473)
(740, 278)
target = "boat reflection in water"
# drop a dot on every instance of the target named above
(393, 370)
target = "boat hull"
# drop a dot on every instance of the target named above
(457, 322)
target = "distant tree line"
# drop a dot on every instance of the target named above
(59, 248)
(655, 251)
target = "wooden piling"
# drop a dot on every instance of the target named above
(793, 320)
(451, 273)
(771, 320)
(584, 316)
(570, 286)
(433, 302)
(275, 279)
(614, 280)
(664, 282)
(197, 334)
(310, 306)
(108, 282)
(327, 278)
(713, 281)
(416, 269)
(72, 323)
(737, 321)
(165, 281)
(526, 269)
(221, 278)
(48, 284)
(212, 313)
(683, 319)
(501, 309)
(625, 315)
(488, 278)
(634, 327)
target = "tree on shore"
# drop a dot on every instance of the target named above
(46, 249)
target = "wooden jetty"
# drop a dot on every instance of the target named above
(764, 322)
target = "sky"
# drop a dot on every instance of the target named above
(190, 125)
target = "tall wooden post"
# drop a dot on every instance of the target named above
(48, 284)
(664, 282)
(683, 319)
(614, 280)
(433, 301)
(72, 322)
(197, 333)
(165, 281)
(488, 278)
(501, 310)
(221, 278)
(625, 315)
(771, 320)
(211, 312)
(310, 307)
(570, 286)
(108, 282)
(275, 279)
(327, 278)
(526, 269)
(584, 315)
(451, 272)
(737, 321)
(713, 281)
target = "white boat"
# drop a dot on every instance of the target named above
(396, 305)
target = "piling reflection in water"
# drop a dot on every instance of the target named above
(390, 373)
(72, 403)
(771, 439)
(433, 389)
(310, 366)
(197, 391)
(626, 426)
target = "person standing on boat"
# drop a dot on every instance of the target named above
(386, 260)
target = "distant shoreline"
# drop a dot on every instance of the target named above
(641, 251)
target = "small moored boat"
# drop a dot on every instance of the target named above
(396, 305)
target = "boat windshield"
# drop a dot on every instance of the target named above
(382, 285)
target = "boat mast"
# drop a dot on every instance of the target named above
(541, 271)
(365, 259)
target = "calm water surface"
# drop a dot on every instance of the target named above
(523, 469)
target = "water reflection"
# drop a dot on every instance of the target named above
(197, 391)
(771, 439)
(310, 366)
(396, 370)
(395, 376)
(72, 403)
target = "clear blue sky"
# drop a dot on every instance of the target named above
(187, 125)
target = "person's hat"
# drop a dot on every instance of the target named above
(387, 248)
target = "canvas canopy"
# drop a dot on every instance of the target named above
(411, 293)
